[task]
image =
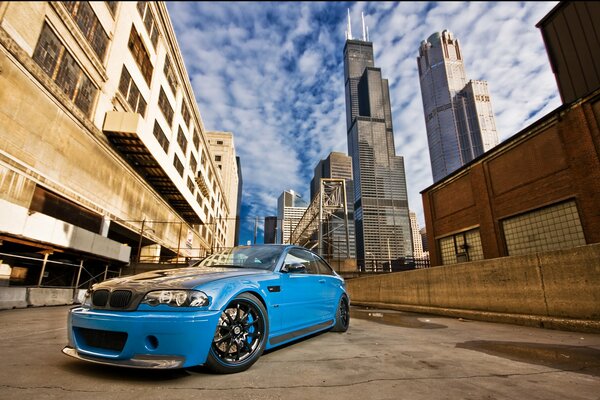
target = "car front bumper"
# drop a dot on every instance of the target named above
(141, 339)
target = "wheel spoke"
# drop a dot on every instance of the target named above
(223, 338)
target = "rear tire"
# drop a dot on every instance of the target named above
(342, 316)
(240, 337)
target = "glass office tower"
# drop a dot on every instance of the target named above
(458, 113)
(382, 222)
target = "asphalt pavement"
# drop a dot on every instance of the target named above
(384, 355)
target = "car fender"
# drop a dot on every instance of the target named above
(221, 293)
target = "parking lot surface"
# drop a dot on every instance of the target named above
(384, 355)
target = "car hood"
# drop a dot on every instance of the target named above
(183, 278)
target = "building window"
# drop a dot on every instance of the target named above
(550, 228)
(130, 91)
(190, 185)
(178, 165)
(203, 158)
(461, 247)
(171, 77)
(52, 57)
(165, 106)
(90, 26)
(193, 164)
(161, 137)
(196, 140)
(217, 158)
(140, 54)
(185, 114)
(144, 10)
(219, 142)
(112, 7)
(182, 140)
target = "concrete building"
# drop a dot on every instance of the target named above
(381, 216)
(290, 209)
(270, 236)
(416, 235)
(458, 113)
(539, 190)
(224, 157)
(103, 153)
(338, 166)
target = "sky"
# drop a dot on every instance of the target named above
(272, 74)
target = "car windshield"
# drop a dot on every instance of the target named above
(262, 257)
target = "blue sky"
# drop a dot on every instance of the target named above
(272, 73)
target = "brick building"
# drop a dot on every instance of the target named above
(540, 189)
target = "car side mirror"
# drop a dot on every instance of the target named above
(293, 268)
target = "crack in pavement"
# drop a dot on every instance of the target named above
(368, 381)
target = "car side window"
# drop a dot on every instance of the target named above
(323, 267)
(302, 257)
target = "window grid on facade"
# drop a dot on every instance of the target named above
(151, 27)
(90, 26)
(140, 55)
(551, 228)
(171, 77)
(161, 137)
(50, 54)
(130, 91)
(461, 247)
(165, 106)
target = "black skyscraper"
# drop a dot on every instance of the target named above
(380, 198)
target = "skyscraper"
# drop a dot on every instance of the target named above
(458, 113)
(290, 209)
(338, 166)
(380, 199)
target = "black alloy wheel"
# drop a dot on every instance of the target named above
(342, 316)
(240, 336)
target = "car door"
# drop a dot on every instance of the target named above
(330, 288)
(301, 291)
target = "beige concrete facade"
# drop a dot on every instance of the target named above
(98, 148)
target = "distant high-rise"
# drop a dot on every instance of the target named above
(380, 199)
(458, 113)
(416, 235)
(223, 152)
(290, 208)
(338, 166)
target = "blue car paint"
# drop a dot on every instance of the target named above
(304, 304)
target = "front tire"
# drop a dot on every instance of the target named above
(240, 337)
(342, 316)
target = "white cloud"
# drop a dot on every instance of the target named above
(272, 73)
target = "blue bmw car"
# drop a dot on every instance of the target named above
(222, 313)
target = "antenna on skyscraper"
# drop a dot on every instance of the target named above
(349, 30)
(367, 33)
(362, 15)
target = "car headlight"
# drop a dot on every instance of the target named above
(87, 300)
(176, 298)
